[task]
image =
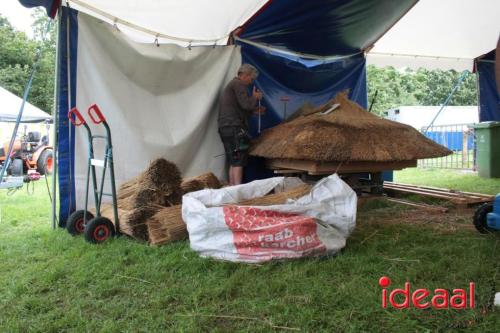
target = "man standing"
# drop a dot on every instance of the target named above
(236, 106)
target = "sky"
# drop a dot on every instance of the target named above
(18, 15)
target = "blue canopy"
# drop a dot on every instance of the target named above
(324, 27)
(489, 100)
(49, 5)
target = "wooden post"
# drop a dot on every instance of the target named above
(465, 149)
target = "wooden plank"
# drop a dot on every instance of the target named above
(287, 171)
(434, 195)
(486, 196)
(461, 198)
(439, 209)
(456, 194)
(321, 168)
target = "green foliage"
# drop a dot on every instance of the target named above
(18, 55)
(422, 87)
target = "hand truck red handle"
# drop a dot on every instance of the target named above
(78, 116)
(96, 115)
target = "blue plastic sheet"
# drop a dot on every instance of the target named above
(324, 27)
(49, 5)
(66, 140)
(489, 100)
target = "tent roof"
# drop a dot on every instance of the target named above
(200, 22)
(316, 27)
(445, 34)
(10, 105)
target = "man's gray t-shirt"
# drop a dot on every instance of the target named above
(236, 105)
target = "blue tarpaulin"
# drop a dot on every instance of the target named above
(324, 27)
(49, 5)
(66, 133)
(489, 100)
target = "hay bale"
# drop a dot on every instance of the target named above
(207, 180)
(349, 133)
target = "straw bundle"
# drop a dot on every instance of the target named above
(349, 133)
(167, 226)
(133, 222)
(159, 184)
(207, 180)
(278, 198)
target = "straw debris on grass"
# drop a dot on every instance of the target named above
(348, 133)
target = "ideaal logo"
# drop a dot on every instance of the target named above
(423, 298)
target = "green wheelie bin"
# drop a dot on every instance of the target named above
(488, 148)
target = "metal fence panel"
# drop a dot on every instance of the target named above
(458, 138)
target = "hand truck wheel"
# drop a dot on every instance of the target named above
(479, 219)
(98, 230)
(75, 223)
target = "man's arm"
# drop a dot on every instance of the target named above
(247, 103)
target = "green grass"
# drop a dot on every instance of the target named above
(452, 179)
(51, 282)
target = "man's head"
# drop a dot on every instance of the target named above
(247, 74)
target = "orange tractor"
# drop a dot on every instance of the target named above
(30, 152)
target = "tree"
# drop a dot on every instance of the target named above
(18, 55)
(421, 87)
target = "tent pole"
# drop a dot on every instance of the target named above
(55, 117)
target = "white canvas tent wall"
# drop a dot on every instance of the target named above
(444, 34)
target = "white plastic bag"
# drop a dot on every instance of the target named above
(315, 224)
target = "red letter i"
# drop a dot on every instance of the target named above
(384, 282)
(471, 295)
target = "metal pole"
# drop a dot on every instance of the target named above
(455, 88)
(259, 117)
(55, 117)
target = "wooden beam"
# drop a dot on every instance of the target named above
(324, 168)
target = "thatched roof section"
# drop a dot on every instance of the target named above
(348, 133)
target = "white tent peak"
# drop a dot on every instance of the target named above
(446, 34)
(10, 105)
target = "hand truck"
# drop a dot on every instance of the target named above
(99, 228)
